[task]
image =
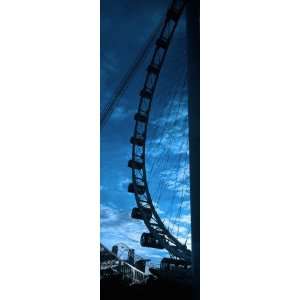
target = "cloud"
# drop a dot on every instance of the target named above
(109, 64)
(164, 146)
(160, 211)
(177, 180)
(186, 204)
(120, 113)
(108, 215)
(117, 226)
(123, 184)
(186, 219)
(173, 141)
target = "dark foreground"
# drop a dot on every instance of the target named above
(153, 289)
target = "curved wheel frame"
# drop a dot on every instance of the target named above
(139, 177)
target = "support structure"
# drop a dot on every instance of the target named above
(193, 36)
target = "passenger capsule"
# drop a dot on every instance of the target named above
(135, 165)
(148, 240)
(137, 141)
(162, 43)
(169, 264)
(146, 93)
(153, 68)
(136, 213)
(140, 118)
(139, 188)
(173, 14)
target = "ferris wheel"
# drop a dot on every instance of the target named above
(161, 234)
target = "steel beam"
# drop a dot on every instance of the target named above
(193, 47)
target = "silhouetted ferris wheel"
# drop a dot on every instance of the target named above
(155, 134)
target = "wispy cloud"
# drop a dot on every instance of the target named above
(109, 64)
(123, 184)
(177, 180)
(120, 113)
(185, 219)
(169, 128)
(117, 225)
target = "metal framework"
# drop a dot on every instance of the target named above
(159, 236)
(111, 264)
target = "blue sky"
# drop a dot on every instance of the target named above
(125, 27)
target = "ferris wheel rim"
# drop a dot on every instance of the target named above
(155, 225)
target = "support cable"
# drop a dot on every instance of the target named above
(119, 92)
